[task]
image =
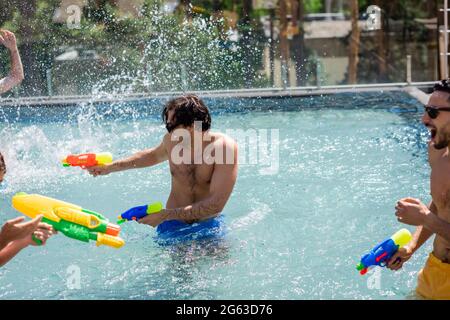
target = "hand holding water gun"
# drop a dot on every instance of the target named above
(87, 160)
(383, 252)
(16, 229)
(72, 220)
(140, 212)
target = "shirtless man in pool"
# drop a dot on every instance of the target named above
(202, 181)
(434, 278)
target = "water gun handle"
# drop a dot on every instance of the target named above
(137, 213)
(36, 240)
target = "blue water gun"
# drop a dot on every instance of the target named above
(137, 213)
(384, 251)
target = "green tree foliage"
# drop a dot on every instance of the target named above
(313, 6)
(159, 52)
(155, 51)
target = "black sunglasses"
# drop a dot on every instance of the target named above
(433, 112)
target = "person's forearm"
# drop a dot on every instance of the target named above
(140, 159)
(3, 243)
(201, 210)
(17, 68)
(438, 226)
(15, 76)
(10, 251)
(420, 236)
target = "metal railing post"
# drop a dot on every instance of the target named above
(48, 75)
(408, 69)
(318, 71)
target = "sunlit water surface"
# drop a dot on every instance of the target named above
(344, 160)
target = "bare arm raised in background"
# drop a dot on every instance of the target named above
(15, 76)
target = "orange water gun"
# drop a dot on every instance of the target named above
(87, 160)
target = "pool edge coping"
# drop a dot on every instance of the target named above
(412, 89)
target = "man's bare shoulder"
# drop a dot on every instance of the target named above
(166, 139)
(223, 139)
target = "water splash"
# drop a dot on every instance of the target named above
(180, 54)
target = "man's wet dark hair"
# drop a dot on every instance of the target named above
(443, 85)
(2, 164)
(187, 109)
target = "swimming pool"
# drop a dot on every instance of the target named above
(344, 160)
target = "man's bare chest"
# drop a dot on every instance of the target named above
(440, 187)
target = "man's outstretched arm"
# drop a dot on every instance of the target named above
(222, 184)
(15, 76)
(141, 159)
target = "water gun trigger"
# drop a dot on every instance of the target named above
(36, 240)
(385, 263)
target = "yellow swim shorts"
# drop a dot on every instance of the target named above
(434, 279)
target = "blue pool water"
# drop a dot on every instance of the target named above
(344, 160)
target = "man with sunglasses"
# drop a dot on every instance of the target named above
(203, 165)
(434, 219)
